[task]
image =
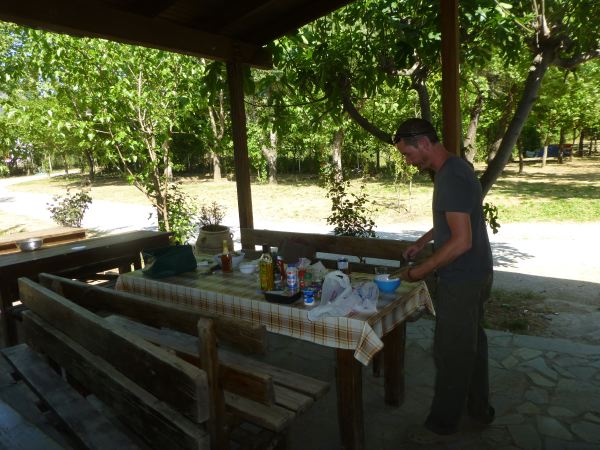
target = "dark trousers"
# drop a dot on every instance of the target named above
(461, 354)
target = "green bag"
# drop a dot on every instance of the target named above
(167, 261)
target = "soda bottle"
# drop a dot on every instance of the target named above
(292, 278)
(265, 269)
(226, 265)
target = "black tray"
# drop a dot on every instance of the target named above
(282, 297)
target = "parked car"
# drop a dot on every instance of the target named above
(552, 151)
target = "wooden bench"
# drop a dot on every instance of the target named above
(46, 412)
(367, 251)
(238, 388)
(51, 236)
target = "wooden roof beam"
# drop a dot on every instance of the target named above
(253, 26)
(94, 19)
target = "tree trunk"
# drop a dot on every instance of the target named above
(581, 136)
(90, 159)
(66, 163)
(544, 155)
(419, 85)
(216, 164)
(561, 145)
(470, 139)
(521, 162)
(338, 142)
(270, 153)
(541, 62)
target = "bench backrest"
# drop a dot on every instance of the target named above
(240, 334)
(365, 249)
(122, 369)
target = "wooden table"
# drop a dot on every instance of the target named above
(356, 338)
(100, 253)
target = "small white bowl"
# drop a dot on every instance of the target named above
(247, 267)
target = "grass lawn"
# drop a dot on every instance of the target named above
(558, 192)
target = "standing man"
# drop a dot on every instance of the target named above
(462, 264)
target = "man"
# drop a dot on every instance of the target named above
(462, 264)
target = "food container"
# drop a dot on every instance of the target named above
(29, 245)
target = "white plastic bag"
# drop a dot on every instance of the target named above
(367, 295)
(338, 298)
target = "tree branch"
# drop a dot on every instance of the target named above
(569, 63)
(360, 119)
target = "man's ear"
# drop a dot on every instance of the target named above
(424, 143)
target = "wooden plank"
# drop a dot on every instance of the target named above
(274, 418)
(240, 397)
(255, 373)
(156, 422)
(235, 81)
(292, 400)
(209, 362)
(283, 377)
(165, 376)
(18, 396)
(87, 424)
(235, 378)
(451, 118)
(51, 236)
(18, 434)
(100, 20)
(390, 249)
(243, 335)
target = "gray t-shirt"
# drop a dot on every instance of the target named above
(456, 189)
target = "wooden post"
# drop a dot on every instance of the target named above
(450, 81)
(240, 143)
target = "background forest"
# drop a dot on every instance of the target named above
(339, 87)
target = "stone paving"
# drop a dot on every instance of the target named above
(546, 393)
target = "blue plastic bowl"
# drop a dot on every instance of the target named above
(388, 286)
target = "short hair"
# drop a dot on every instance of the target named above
(411, 129)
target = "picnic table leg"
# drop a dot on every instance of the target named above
(350, 404)
(393, 365)
(377, 359)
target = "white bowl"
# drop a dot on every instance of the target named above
(238, 257)
(247, 267)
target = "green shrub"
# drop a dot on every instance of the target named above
(349, 211)
(183, 213)
(69, 210)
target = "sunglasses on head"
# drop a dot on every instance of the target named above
(407, 134)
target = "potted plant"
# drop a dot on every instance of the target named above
(212, 232)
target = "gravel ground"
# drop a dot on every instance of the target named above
(557, 260)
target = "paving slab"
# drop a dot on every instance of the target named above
(566, 412)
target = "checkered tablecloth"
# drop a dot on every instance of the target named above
(236, 295)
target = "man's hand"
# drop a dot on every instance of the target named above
(411, 252)
(402, 274)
